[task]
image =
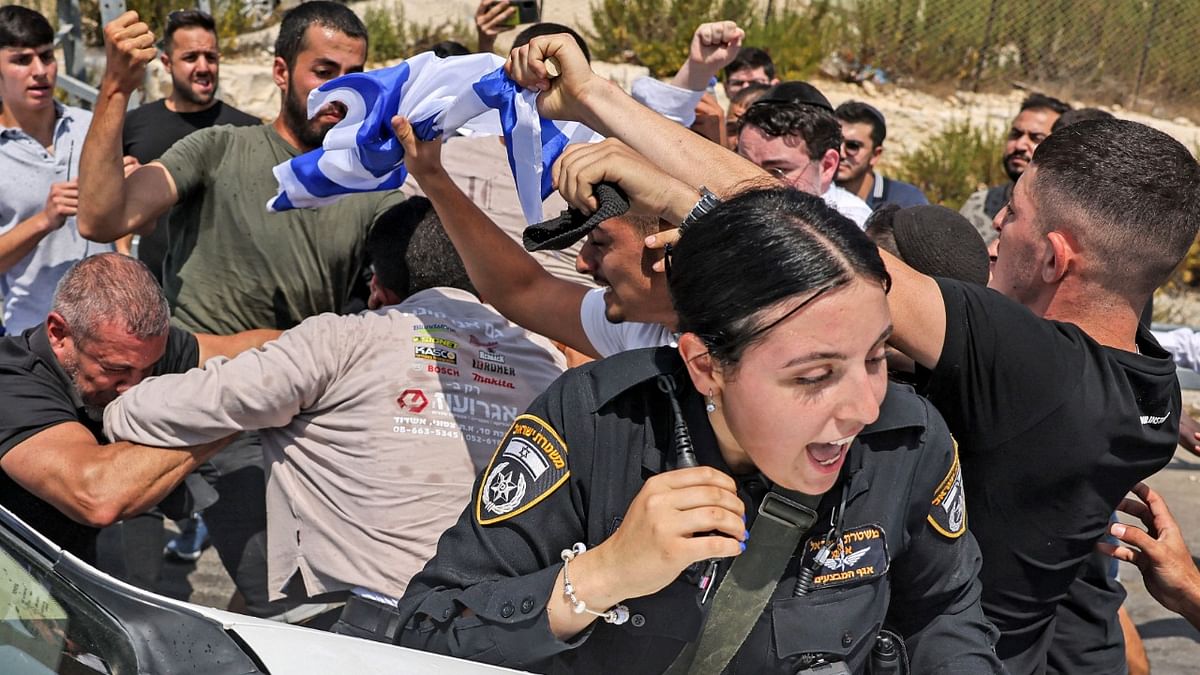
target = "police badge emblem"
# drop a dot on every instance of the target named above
(948, 514)
(529, 464)
(860, 555)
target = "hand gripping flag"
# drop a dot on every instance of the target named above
(361, 153)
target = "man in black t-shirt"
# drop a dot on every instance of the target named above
(191, 55)
(1059, 400)
(108, 329)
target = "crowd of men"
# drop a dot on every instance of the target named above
(327, 383)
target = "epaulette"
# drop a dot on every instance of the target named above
(619, 373)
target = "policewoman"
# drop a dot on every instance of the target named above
(759, 500)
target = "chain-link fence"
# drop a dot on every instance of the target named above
(1136, 53)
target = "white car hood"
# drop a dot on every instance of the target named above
(284, 648)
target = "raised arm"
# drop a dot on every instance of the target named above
(95, 484)
(117, 206)
(579, 94)
(505, 275)
(916, 303)
(918, 312)
(714, 46)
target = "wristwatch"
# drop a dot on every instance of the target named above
(708, 201)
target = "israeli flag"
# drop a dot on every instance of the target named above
(471, 94)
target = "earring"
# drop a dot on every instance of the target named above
(711, 405)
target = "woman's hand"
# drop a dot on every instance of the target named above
(677, 518)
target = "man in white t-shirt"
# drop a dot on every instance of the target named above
(630, 309)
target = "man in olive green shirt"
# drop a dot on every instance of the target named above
(230, 265)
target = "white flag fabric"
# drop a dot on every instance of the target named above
(361, 153)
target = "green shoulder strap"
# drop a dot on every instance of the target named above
(751, 580)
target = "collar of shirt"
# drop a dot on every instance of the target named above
(877, 188)
(62, 122)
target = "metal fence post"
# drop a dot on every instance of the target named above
(987, 44)
(71, 35)
(1137, 87)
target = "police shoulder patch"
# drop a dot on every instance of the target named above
(860, 555)
(529, 465)
(948, 512)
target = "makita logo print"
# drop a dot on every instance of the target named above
(494, 381)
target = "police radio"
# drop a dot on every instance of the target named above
(681, 440)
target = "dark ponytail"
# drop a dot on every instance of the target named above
(755, 251)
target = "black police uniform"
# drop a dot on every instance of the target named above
(906, 547)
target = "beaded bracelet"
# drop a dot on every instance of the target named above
(617, 615)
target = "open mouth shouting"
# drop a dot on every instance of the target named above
(829, 456)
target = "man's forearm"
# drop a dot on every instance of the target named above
(126, 479)
(231, 345)
(677, 150)
(691, 77)
(498, 267)
(22, 238)
(1191, 610)
(101, 172)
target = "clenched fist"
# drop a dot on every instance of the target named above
(128, 46)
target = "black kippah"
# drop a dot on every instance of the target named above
(937, 241)
(572, 225)
(795, 92)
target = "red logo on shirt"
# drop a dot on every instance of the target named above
(412, 400)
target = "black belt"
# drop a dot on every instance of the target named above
(369, 619)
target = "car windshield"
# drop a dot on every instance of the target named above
(47, 626)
